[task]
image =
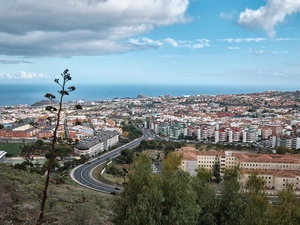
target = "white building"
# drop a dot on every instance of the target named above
(97, 144)
(276, 170)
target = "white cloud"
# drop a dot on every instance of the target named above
(203, 43)
(83, 27)
(227, 15)
(12, 61)
(23, 76)
(256, 52)
(147, 43)
(233, 48)
(261, 52)
(269, 16)
(240, 40)
(171, 42)
(287, 39)
(281, 73)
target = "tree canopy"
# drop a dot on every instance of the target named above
(176, 197)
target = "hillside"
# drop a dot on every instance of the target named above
(68, 203)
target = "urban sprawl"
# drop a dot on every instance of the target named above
(266, 123)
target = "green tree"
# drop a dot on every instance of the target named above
(180, 200)
(55, 164)
(255, 185)
(256, 199)
(181, 136)
(285, 211)
(152, 199)
(133, 132)
(169, 148)
(171, 163)
(132, 206)
(283, 150)
(39, 144)
(62, 150)
(206, 197)
(231, 200)
(217, 169)
(27, 151)
(127, 155)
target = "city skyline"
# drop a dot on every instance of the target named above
(205, 42)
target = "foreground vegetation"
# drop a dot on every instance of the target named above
(175, 197)
(68, 203)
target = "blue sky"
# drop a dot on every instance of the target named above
(202, 42)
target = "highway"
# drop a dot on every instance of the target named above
(82, 174)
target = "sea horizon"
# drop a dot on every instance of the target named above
(21, 94)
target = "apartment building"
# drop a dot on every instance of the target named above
(93, 146)
(221, 135)
(266, 133)
(275, 129)
(193, 158)
(277, 171)
(285, 140)
(236, 134)
(250, 136)
(19, 131)
(296, 142)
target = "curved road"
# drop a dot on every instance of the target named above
(83, 174)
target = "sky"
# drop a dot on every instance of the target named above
(186, 42)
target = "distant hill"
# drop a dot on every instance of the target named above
(43, 102)
(142, 96)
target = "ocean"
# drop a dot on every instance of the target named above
(20, 94)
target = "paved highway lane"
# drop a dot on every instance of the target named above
(83, 174)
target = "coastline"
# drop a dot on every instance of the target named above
(28, 94)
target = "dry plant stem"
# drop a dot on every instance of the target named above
(48, 176)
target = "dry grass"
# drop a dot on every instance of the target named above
(97, 172)
(111, 179)
(67, 203)
(108, 178)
